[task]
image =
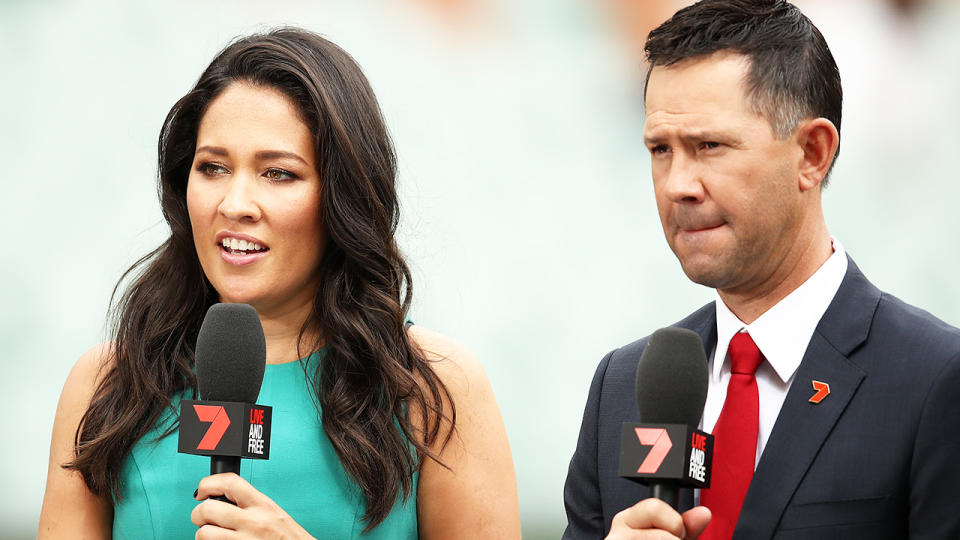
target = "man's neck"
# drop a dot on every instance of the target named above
(749, 305)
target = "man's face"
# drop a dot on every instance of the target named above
(727, 190)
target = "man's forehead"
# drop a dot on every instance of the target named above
(705, 82)
(661, 126)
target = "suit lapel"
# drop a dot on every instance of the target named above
(802, 426)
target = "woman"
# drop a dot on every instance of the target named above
(277, 179)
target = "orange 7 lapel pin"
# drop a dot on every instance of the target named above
(823, 390)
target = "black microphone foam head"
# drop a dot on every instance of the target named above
(231, 354)
(672, 378)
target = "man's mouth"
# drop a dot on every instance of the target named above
(699, 226)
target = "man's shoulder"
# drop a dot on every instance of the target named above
(909, 338)
(621, 363)
(892, 317)
(895, 315)
(881, 333)
(863, 315)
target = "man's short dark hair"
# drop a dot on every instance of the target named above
(792, 74)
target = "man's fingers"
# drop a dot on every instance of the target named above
(695, 520)
(652, 514)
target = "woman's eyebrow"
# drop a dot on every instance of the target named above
(263, 154)
(217, 150)
(276, 154)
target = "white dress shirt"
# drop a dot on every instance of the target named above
(782, 333)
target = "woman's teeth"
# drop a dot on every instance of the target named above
(234, 244)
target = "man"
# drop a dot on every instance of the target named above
(832, 403)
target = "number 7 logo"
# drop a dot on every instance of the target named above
(659, 439)
(219, 423)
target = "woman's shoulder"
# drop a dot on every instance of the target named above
(89, 370)
(452, 361)
(82, 381)
(468, 393)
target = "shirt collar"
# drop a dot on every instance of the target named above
(783, 332)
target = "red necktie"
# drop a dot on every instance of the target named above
(735, 441)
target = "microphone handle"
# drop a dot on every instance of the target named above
(666, 492)
(222, 464)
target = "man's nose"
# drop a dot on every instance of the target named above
(683, 182)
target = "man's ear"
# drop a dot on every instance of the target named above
(819, 139)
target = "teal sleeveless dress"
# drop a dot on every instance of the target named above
(303, 475)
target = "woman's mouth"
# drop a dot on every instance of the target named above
(241, 247)
(240, 251)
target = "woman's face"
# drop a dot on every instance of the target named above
(253, 196)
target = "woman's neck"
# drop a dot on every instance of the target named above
(281, 329)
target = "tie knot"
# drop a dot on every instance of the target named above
(745, 356)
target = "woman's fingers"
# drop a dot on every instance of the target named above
(233, 487)
(212, 532)
(254, 516)
(217, 513)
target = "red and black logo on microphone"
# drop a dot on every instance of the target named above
(666, 451)
(225, 428)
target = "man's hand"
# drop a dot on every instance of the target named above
(653, 518)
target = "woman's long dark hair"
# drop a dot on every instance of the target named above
(371, 374)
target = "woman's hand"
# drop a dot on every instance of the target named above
(254, 516)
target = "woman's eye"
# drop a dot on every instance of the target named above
(211, 169)
(279, 175)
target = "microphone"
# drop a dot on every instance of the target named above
(226, 423)
(665, 450)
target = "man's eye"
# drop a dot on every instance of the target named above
(279, 175)
(659, 149)
(211, 169)
(709, 145)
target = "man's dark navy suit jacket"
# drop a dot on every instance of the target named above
(878, 458)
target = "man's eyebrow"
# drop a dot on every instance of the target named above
(691, 135)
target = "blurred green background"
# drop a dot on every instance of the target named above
(528, 212)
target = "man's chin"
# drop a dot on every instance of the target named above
(706, 273)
